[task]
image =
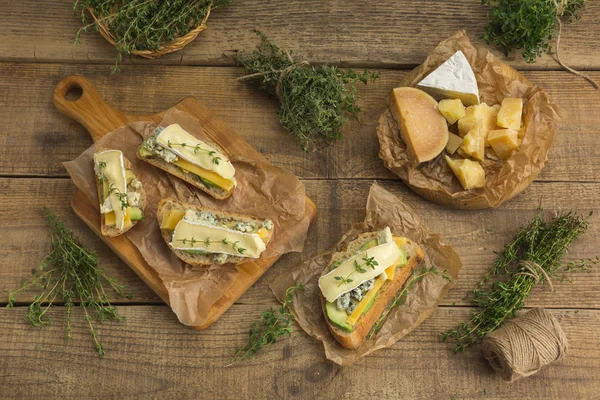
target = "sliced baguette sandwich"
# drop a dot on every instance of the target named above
(359, 283)
(121, 195)
(203, 236)
(202, 164)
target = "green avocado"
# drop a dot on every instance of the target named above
(370, 244)
(337, 316)
(209, 183)
(402, 257)
(129, 175)
(195, 252)
(144, 152)
(136, 213)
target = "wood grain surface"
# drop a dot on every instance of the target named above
(152, 355)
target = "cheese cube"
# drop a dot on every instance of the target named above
(454, 142)
(474, 143)
(470, 173)
(452, 110)
(510, 113)
(504, 142)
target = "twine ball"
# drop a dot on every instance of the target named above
(525, 344)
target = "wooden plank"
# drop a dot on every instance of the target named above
(474, 234)
(35, 139)
(386, 33)
(152, 353)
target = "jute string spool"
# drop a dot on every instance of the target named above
(525, 344)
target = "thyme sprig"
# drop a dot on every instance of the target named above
(272, 325)
(215, 159)
(534, 256)
(207, 242)
(401, 296)
(315, 100)
(358, 267)
(70, 273)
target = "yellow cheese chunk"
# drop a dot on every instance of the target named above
(263, 233)
(110, 218)
(480, 116)
(362, 305)
(470, 173)
(510, 113)
(171, 218)
(504, 142)
(454, 142)
(203, 173)
(391, 270)
(452, 110)
(422, 126)
(474, 144)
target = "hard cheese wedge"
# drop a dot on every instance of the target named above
(454, 79)
(470, 173)
(454, 142)
(504, 142)
(473, 143)
(422, 126)
(109, 165)
(510, 113)
(452, 109)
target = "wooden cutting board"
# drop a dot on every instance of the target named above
(90, 110)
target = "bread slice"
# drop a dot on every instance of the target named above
(189, 177)
(110, 230)
(168, 204)
(353, 340)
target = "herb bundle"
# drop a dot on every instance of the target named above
(70, 273)
(272, 325)
(527, 24)
(314, 100)
(534, 256)
(144, 24)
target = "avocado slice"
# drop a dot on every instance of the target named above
(136, 213)
(370, 244)
(195, 252)
(403, 259)
(129, 176)
(209, 183)
(144, 152)
(337, 316)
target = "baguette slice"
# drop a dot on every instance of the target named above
(110, 230)
(169, 204)
(189, 177)
(353, 340)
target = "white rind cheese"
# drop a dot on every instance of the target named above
(193, 234)
(454, 79)
(113, 170)
(385, 254)
(195, 151)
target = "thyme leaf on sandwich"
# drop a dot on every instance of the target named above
(70, 273)
(272, 325)
(358, 267)
(207, 242)
(215, 159)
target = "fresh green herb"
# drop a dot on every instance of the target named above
(315, 100)
(272, 325)
(207, 242)
(197, 148)
(70, 273)
(144, 24)
(534, 256)
(401, 296)
(358, 267)
(527, 24)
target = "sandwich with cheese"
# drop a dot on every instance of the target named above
(203, 164)
(203, 236)
(359, 283)
(121, 194)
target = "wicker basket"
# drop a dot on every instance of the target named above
(165, 48)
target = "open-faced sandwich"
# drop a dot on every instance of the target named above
(360, 282)
(203, 236)
(122, 197)
(200, 163)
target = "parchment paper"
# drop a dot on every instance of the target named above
(263, 191)
(504, 179)
(383, 209)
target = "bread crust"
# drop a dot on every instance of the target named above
(112, 231)
(192, 179)
(200, 259)
(353, 340)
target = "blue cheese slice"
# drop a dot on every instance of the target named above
(454, 79)
(109, 165)
(348, 275)
(200, 235)
(176, 139)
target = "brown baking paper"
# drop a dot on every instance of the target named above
(504, 179)
(383, 209)
(263, 191)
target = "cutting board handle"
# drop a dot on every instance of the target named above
(85, 105)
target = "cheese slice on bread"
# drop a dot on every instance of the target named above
(203, 236)
(360, 282)
(121, 195)
(203, 164)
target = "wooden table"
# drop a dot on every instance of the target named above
(152, 355)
